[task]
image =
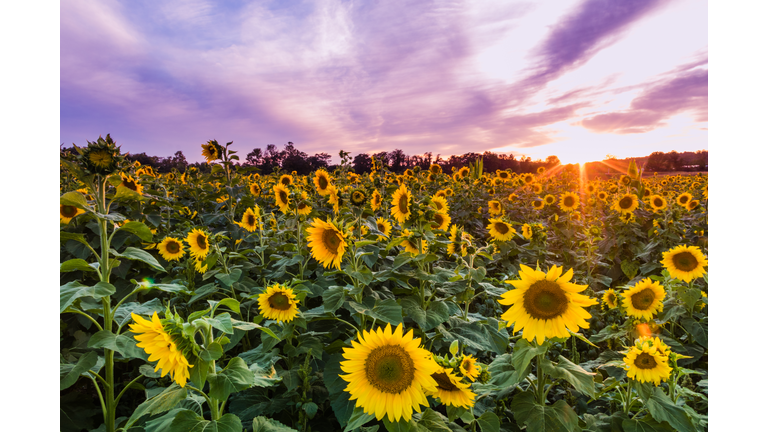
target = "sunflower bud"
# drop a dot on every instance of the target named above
(454, 349)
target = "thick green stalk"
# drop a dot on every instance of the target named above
(109, 364)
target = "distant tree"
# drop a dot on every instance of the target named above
(674, 161)
(702, 160)
(254, 158)
(657, 161)
(610, 157)
(362, 163)
(319, 160)
(552, 161)
(397, 160)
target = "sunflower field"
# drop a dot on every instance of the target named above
(423, 301)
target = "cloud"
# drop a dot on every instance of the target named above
(685, 92)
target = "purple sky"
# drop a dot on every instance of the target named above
(577, 79)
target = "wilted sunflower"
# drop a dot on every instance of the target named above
(468, 367)
(569, 201)
(327, 243)
(494, 207)
(657, 202)
(401, 204)
(450, 390)
(282, 199)
(648, 361)
(549, 199)
(546, 305)
(683, 199)
(684, 262)
(644, 299)
(171, 249)
(278, 303)
(526, 231)
(250, 220)
(161, 347)
(500, 230)
(439, 203)
(440, 221)
(211, 151)
(383, 226)
(286, 180)
(358, 197)
(129, 183)
(198, 243)
(610, 299)
(626, 204)
(68, 212)
(375, 200)
(388, 373)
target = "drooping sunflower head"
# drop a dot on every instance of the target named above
(500, 230)
(129, 183)
(278, 303)
(683, 198)
(546, 305)
(411, 243)
(658, 202)
(326, 241)
(627, 203)
(684, 262)
(358, 197)
(549, 199)
(644, 299)
(303, 208)
(457, 244)
(440, 221)
(384, 226)
(610, 299)
(171, 248)
(68, 212)
(468, 367)
(494, 207)
(451, 390)
(569, 201)
(282, 197)
(648, 362)
(211, 151)
(198, 243)
(388, 373)
(526, 231)
(163, 345)
(401, 204)
(250, 221)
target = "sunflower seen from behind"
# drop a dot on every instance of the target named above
(171, 248)
(388, 373)
(684, 262)
(546, 305)
(644, 299)
(198, 243)
(401, 204)
(278, 303)
(375, 200)
(451, 390)
(326, 242)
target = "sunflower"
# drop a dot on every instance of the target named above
(250, 219)
(658, 202)
(322, 180)
(468, 367)
(569, 201)
(537, 204)
(388, 373)
(441, 193)
(68, 212)
(684, 262)
(528, 178)
(549, 199)
(626, 204)
(286, 180)
(327, 243)
(546, 305)
(401, 204)
(602, 195)
(494, 207)
(648, 362)
(644, 299)
(130, 183)
(358, 197)
(625, 180)
(171, 248)
(282, 199)
(211, 151)
(526, 231)
(439, 203)
(441, 221)
(435, 169)
(536, 188)
(161, 347)
(303, 208)
(375, 200)
(411, 245)
(198, 243)
(540, 170)
(278, 303)
(463, 172)
(450, 390)
(590, 188)
(692, 204)
(456, 244)
(512, 197)
(200, 265)
(500, 230)
(610, 299)
(383, 226)
(683, 199)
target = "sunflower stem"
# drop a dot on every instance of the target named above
(126, 388)
(70, 310)
(628, 400)
(540, 381)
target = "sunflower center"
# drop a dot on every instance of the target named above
(444, 382)
(545, 300)
(251, 220)
(302, 206)
(645, 361)
(283, 196)
(658, 202)
(68, 211)
(130, 184)
(683, 199)
(611, 298)
(402, 203)
(172, 247)
(390, 369)
(380, 227)
(285, 180)
(201, 242)
(331, 240)
(467, 364)
(685, 261)
(568, 201)
(279, 301)
(644, 299)
(322, 182)
(502, 228)
(625, 203)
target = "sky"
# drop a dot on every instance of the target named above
(579, 79)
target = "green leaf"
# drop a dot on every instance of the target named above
(190, 421)
(234, 378)
(212, 352)
(75, 264)
(387, 311)
(310, 408)
(70, 373)
(664, 410)
(690, 296)
(231, 278)
(358, 419)
(73, 290)
(135, 254)
(581, 380)
(64, 236)
(559, 417)
(163, 402)
(432, 421)
(644, 426)
(123, 313)
(142, 231)
(333, 298)
(198, 373)
(489, 422)
(221, 322)
(123, 192)
(264, 424)
(264, 377)
(503, 371)
(629, 268)
(340, 403)
(75, 199)
(697, 330)
(123, 344)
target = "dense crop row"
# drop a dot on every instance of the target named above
(424, 301)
